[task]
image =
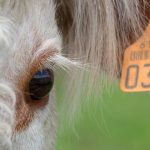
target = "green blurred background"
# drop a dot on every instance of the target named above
(120, 121)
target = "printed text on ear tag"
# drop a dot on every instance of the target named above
(136, 65)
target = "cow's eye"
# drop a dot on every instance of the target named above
(41, 84)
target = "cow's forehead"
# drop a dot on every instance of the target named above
(28, 16)
(21, 37)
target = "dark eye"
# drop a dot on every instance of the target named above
(41, 84)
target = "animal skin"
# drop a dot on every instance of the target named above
(38, 34)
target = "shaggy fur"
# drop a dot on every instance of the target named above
(35, 34)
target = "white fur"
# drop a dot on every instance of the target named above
(21, 34)
(7, 116)
(41, 133)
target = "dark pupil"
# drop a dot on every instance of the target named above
(41, 84)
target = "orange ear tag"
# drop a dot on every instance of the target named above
(136, 65)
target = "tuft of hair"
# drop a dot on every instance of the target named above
(97, 32)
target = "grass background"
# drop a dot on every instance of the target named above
(120, 122)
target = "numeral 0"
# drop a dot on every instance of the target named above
(136, 76)
(130, 68)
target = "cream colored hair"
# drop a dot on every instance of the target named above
(97, 33)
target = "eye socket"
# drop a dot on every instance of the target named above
(41, 84)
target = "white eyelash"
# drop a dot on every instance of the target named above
(53, 43)
(59, 61)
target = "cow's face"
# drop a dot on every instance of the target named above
(97, 31)
(30, 50)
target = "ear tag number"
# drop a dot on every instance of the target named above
(136, 65)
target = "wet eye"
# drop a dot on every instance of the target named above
(41, 84)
